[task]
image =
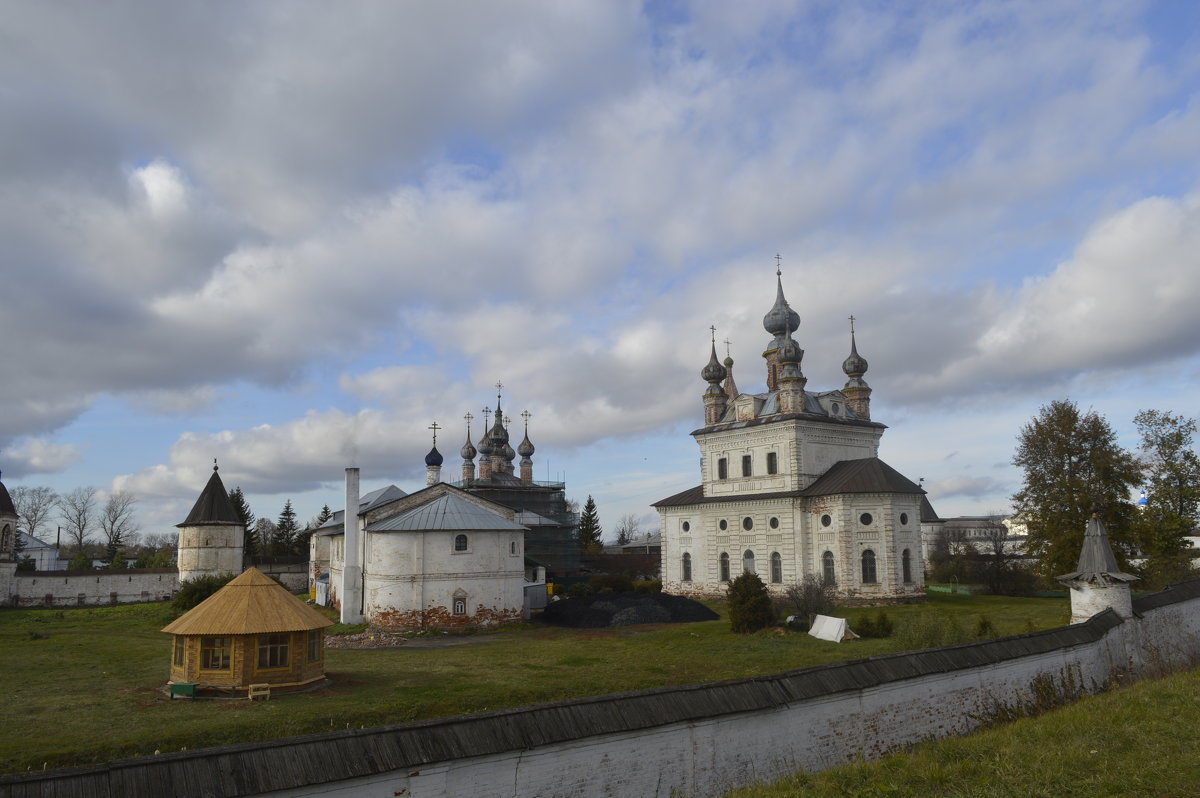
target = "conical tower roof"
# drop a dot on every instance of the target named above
(251, 604)
(1096, 560)
(213, 506)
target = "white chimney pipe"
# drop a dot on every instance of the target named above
(352, 565)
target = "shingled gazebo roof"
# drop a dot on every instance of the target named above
(253, 603)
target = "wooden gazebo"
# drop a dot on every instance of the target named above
(251, 633)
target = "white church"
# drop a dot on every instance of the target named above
(792, 484)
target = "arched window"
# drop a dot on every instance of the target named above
(906, 564)
(776, 568)
(460, 542)
(687, 567)
(748, 561)
(868, 567)
(829, 576)
(724, 575)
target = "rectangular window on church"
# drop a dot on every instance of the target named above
(722, 468)
(746, 465)
(772, 463)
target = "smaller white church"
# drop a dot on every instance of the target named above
(439, 558)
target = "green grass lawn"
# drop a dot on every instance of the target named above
(1137, 742)
(82, 685)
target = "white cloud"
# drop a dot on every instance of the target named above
(38, 456)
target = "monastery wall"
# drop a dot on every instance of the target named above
(60, 588)
(699, 740)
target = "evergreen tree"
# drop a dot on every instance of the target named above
(252, 544)
(118, 560)
(284, 540)
(749, 604)
(1073, 466)
(590, 531)
(323, 516)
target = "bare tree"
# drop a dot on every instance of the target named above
(627, 529)
(117, 522)
(34, 505)
(77, 511)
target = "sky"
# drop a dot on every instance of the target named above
(293, 235)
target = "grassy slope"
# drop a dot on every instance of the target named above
(1140, 741)
(88, 690)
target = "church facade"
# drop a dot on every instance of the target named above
(792, 485)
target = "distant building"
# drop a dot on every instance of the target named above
(45, 557)
(791, 484)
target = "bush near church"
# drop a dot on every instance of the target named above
(749, 604)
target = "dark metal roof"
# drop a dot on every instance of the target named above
(869, 475)
(1096, 560)
(928, 514)
(769, 414)
(213, 506)
(261, 767)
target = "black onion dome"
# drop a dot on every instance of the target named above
(434, 458)
(714, 372)
(525, 449)
(781, 319)
(6, 503)
(856, 364)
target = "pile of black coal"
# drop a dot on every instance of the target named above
(625, 609)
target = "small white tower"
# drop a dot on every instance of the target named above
(211, 539)
(1096, 584)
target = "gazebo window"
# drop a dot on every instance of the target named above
(273, 651)
(314, 645)
(214, 653)
(179, 649)
(460, 542)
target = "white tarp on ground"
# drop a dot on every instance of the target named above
(835, 629)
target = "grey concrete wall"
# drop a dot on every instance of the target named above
(62, 588)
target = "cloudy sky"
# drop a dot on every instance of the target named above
(293, 235)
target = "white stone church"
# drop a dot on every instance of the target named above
(792, 484)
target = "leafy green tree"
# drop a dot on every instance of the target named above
(193, 591)
(82, 561)
(118, 560)
(284, 539)
(1073, 466)
(237, 498)
(1172, 495)
(590, 531)
(749, 604)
